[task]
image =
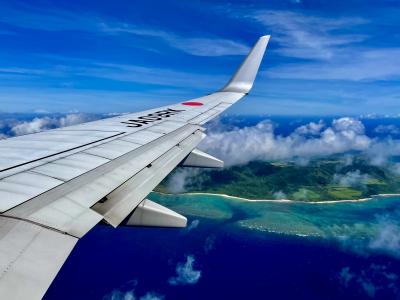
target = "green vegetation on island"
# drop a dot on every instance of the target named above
(318, 180)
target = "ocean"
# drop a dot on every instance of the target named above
(233, 249)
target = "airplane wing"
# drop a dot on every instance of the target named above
(56, 185)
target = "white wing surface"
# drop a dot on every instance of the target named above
(56, 185)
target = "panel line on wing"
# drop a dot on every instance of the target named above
(54, 154)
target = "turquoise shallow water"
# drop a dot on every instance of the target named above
(372, 221)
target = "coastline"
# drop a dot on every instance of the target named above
(283, 200)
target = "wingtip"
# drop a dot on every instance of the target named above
(242, 81)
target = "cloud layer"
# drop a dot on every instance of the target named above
(259, 142)
(10, 126)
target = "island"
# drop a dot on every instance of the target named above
(325, 179)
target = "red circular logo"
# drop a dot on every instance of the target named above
(190, 103)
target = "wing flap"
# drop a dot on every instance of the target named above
(67, 216)
(121, 202)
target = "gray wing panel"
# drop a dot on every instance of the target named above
(67, 207)
(30, 258)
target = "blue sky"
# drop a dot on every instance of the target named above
(324, 57)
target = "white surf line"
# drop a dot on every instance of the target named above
(286, 200)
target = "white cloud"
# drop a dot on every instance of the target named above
(210, 47)
(185, 273)
(351, 179)
(380, 151)
(259, 142)
(66, 69)
(395, 168)
(152, 296)
(352, 64)
(382, 236)
(279, 195)
(387, 237)
(387, 129)
(199, 46)
(311, 128)
(330, 53)
(193, 225)
(346, 276)
(120, 295)
(45, 123)
(371, 280)
(128, 293)
(38, 18)
(180, 178)
(237, 146)
(306, 36)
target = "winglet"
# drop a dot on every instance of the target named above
(243, 80)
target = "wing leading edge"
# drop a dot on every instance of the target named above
(56, 185)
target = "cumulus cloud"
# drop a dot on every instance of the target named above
(345, 276)
(48, 122)
(382, 236)
(311, 128)
(381, 150)
(387, 237)
(259, 142)
(152, 296)
(193, 225)
(128, 293)
(185, 273)
(351, 179)
(237, 146)
(395, 168)
(180, 178)
(387, 129)
(120, 295)
(279, 195)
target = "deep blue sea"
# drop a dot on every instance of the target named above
(231, 261)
